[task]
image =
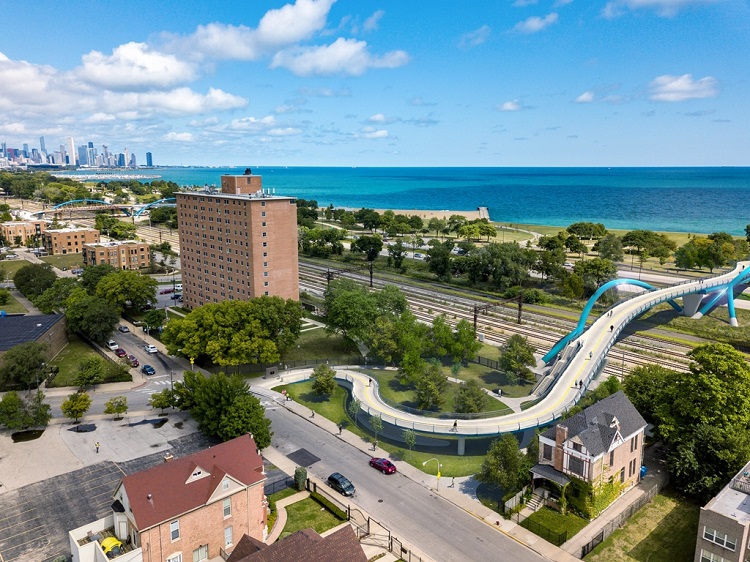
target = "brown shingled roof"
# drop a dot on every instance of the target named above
(303, 546)
(162, 493)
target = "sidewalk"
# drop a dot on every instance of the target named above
(463, 495)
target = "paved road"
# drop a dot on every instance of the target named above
(435, 526)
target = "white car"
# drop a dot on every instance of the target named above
(150, 348)
(178, 287)
(112, 345)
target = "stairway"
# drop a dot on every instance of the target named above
(535, 502)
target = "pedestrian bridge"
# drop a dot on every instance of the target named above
(578, 358)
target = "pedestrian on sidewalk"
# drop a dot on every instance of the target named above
(455, 426)
(369, 382)
(97, 446)
(453, 482)
(312, 413)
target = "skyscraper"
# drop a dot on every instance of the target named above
(71, 151)
(149, 160)
(42, 148)
(237, 244)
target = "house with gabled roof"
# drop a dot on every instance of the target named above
(600, 445)
(192, 508)
(306, 545)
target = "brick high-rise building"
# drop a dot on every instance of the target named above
(238, 243)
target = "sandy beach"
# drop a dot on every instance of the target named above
(427, 215)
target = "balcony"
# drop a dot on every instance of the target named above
(86, 543)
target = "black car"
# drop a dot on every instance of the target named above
(148, 370)
(341, 484)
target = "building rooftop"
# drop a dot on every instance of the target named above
(15, 330)
(77, 229)
(734, 499)
(262, 194)
(113, 243)
(303, 546)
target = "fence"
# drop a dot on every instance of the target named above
(278, 485)
(619, 520)
(367, 529)
(491, 363)
(555, 537)
(514, 501)
(294, 364)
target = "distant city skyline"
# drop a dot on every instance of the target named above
(68, 154)
(357, 83)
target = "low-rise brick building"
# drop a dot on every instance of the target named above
(61, 241)
(17, 233)
(128, 254)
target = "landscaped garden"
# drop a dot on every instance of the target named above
(551, 525)
(70, 358)
(306, 514)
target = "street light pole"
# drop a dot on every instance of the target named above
(438, 470)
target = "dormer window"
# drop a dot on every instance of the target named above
(577, 447)
(197, 473)
(225, 484)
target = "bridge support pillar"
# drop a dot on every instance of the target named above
(461, 446)
(691, 302)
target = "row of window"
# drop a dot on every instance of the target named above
(717, 537)
(707, 556)
(632, 467)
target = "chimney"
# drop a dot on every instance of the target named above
(561, 435)
(168, 457)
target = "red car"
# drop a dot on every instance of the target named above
(120, 352)
(383, 465)
(166, 291)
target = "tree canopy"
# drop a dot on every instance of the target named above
(236, 332)
(21, 364)
(127, 289)
(33, 279)
(516, 356)
(323, 380)
(91, 316)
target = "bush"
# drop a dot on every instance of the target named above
(300, 478)
(325, 502)
(530, 296)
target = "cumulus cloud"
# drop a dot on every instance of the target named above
(665, 8)
(513, 105)
(585, 97)
(380, 118)
(100, 118)
(134, 66)
(179, 137)
(535, 24)
(343, 56)
(476, 37)
(371, 23)
(370, 133)
(180, 101)
(252, 124)
(680, 88)
(284, 132)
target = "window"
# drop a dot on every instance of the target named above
(575, 465)
(175, 558)
(719, 538)
(228, 507)
(710, 557)
(577, 447)
(225, 484)
(174, 530)
(228, 536)
(611, 458)
(200, 553)
(547, 452)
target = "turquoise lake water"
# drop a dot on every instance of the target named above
(701, 200)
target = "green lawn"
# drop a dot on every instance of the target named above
(9, 267)
(69, 359)
(13, 306)
(318, 344)
(662, 531)
(335, 410)
(306, 514)
(555, 521)
(68, 260)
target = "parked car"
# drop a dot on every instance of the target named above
(568, 264)
(176, 296)
(178, 287)
(112, 345)
(418, 256)
(150, 348)
(341, 484)
(148, 370)
(123, 329)
(77, 271)
(133, 360)
(120, 352)
(383, 465)
(166, 291)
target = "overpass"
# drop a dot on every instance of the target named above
(96, 205)
(579, 358)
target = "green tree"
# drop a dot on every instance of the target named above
(154, 319)
(376, 422)
(609, 248)
(92, 316)
(503, 464)
(13, 412)
(162, 400)
(410, 438)
(127, 289)
(33, 279)
(323, 380)
(76, 405)
(350, 309)
(571, 286)
(22, 364)
(92, 274)
(587, 230)
(397, 254)
(57, 295)
(464, 346)
(550, 262)
(440, 259)
(116, 405)
(595, 272)
(573, 244)
(470, 398)
(353, 409)
(371, 246)
(430, 387)
(236, 332)
(246, 415)
(90, 372)
(4, 294)
(516, 356)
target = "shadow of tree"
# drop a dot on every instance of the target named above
(316, 398)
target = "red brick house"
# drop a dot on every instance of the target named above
(196, 507)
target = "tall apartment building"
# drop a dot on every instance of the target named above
(128, 254)
(238, 243)
(17, 233)
(68, 240)
(724, 524)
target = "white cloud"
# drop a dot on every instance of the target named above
(559, 3)
(179, 137)
(293, 22)
(381, 119)
(371, 23)
(680, 88)
(134, 66)
(665, 8)
(523, 3)
(100, 118)
(535, 23)
(284, 132)
(476, 37)
(180, 101)
(13, 128)
(585, 97)
(370, 133)
(253, 125)
(347, 56)
(513, 105)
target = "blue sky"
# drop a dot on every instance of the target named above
(389, 83)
